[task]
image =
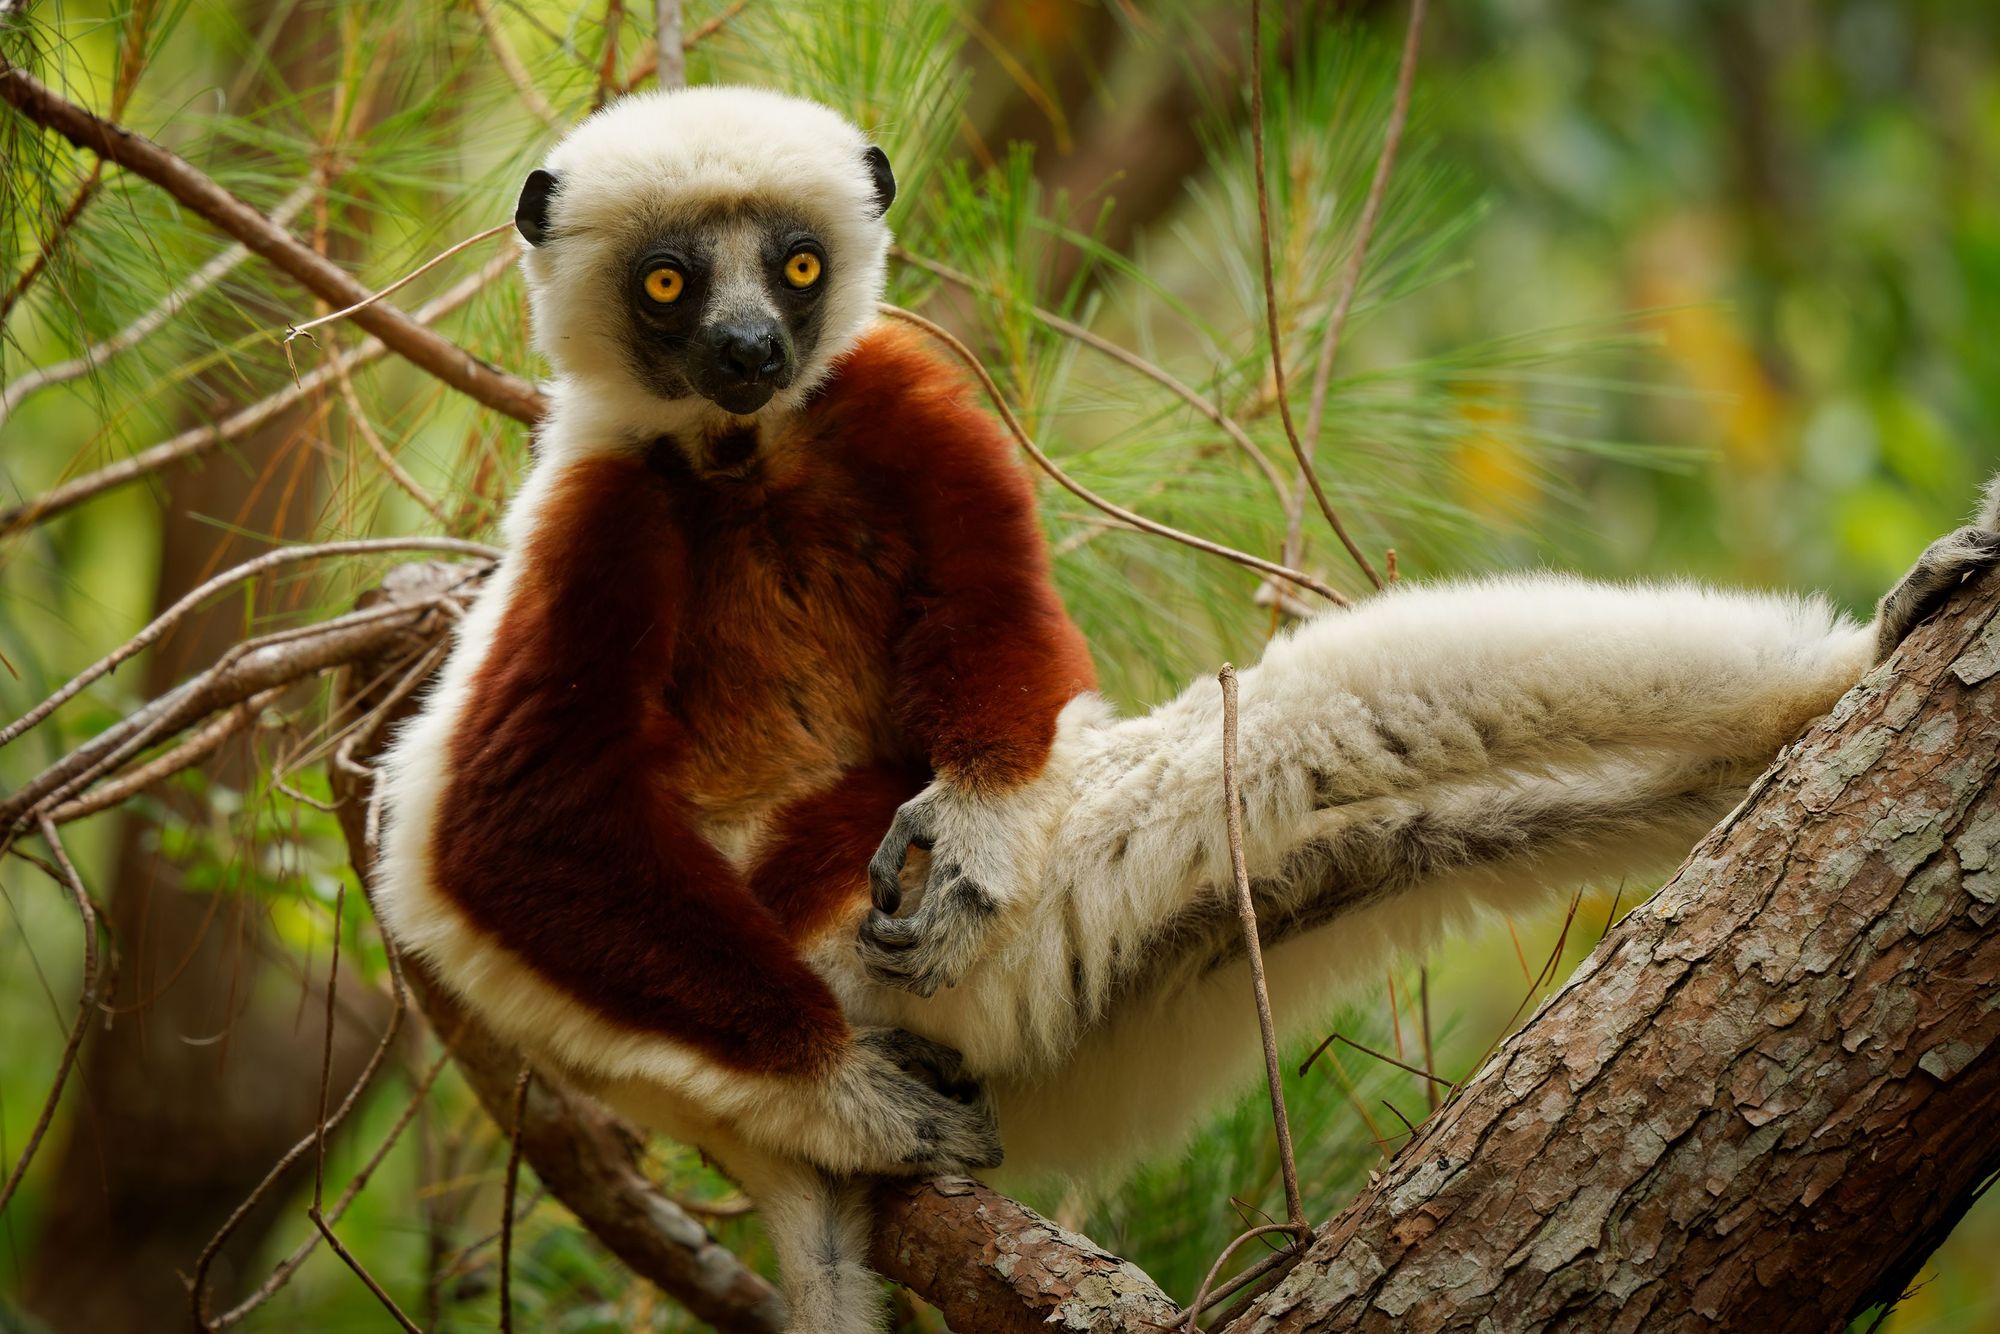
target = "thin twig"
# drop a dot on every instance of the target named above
(1332, 1038)
(250, 569)
(162, 767)
(200, 441)
(1202, 1294)
(282, 1274)
(312, 1143)
(1089, 497)
(361, 1272)
(507, 1199)
(86, 1006)
(1350, 283)
(324, 279)
(365, 302)
(1200, 402)
(1271, 294)
(45, 252)
(1232, 801)
(509, 60)
(319, 1133)
(1430, 1057)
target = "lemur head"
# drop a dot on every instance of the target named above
(703, 255)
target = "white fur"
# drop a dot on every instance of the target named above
(1434, 752)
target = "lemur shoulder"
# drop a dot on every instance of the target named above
(776, 609)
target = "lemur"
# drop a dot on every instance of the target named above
(775, 609)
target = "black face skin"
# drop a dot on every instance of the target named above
(735, 338)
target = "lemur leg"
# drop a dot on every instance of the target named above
(1371, 880)
(820, 1226)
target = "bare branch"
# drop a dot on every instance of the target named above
(86, 1007)
(45, 252)
(357, 416)
(193, 751)
(139, 330)
(669, 55)
(373, 297)
(507, 1200)
(1295, 1225)
(203, 440)
(249, 669)
(314, 1143)
(995, 1266)
(250, 569)
(290, 1264)
(1089, 497)
(324, 279)
(648, 62)
(1271, 294)
(1364, 231)
(510, 64)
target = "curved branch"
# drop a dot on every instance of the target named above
(317, 274)
(1767, 1095)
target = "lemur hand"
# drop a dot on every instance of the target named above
(1937, 572)
(936, 943)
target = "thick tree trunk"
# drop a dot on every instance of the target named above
(1767, 1095)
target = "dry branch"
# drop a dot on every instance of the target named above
(1767, 1095)
(1277, 349)
(313, 271)
(1083, 493)
(995, 1266)
(1350, 282)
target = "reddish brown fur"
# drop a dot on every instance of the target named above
(799, 642)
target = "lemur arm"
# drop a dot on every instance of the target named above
(988, 659)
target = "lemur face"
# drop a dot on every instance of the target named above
(709, 251)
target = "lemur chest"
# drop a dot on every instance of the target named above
(783, 675)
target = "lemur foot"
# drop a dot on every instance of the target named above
(948, 1117)
(1942, 567)
(934, 945)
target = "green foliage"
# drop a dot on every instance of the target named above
(1809, 393)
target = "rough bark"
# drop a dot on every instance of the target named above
(994, 1266)
(1767, 1095)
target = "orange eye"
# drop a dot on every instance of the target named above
(664, 285)
(802, 269)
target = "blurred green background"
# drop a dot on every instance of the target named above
(1661, 288)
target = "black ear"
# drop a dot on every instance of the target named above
(531, 215)
(885, 180)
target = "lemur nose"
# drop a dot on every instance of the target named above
(749, 352)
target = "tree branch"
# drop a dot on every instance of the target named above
(1767, 1095)
(317, 274)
